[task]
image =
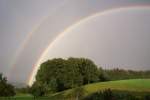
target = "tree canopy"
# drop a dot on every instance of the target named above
(59, 74)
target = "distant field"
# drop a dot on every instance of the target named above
(133, 85)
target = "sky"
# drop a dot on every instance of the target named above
(110, 45)
(113, 33)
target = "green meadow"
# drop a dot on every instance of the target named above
(131, 85)
(138, 85)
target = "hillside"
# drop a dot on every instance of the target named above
(132, 85)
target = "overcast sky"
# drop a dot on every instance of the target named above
(115, 39)
(27, 27)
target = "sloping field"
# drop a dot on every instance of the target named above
(137, 85)
(132, 85)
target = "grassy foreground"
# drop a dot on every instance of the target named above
(133, 85)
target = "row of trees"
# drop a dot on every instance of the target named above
(5, 88)
(121, 74)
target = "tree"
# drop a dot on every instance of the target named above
(52, 86)
(103, 76)
(5, 88)
(53, 71)
(23, 90)
(37, 90)
(76, 94)
(74, 77)
(87, 68)
(60, 74)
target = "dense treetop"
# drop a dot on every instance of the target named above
(60, 74)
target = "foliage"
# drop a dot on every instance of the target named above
(76, 94)
(23, 90)
(60, 74)
(86, 68)
(103, 76)
(37, 90)
(5, 88)
(101, 95)
(115, 95)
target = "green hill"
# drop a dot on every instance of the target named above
(125, 85)
(132, 85)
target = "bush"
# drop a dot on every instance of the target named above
(147, 97)
(101, 95)
(37, 90)
(116, 95)
(76, 94)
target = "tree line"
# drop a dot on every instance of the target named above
(121, 74)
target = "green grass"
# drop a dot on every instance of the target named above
(138, 85)
(132, 85)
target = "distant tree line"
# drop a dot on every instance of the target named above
(121, 74)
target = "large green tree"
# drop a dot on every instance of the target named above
(37, 90)
(60, 74)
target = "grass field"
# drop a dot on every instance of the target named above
(133, 85)
(138, 85)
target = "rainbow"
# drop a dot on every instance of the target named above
(36, 66)
(27, 38)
